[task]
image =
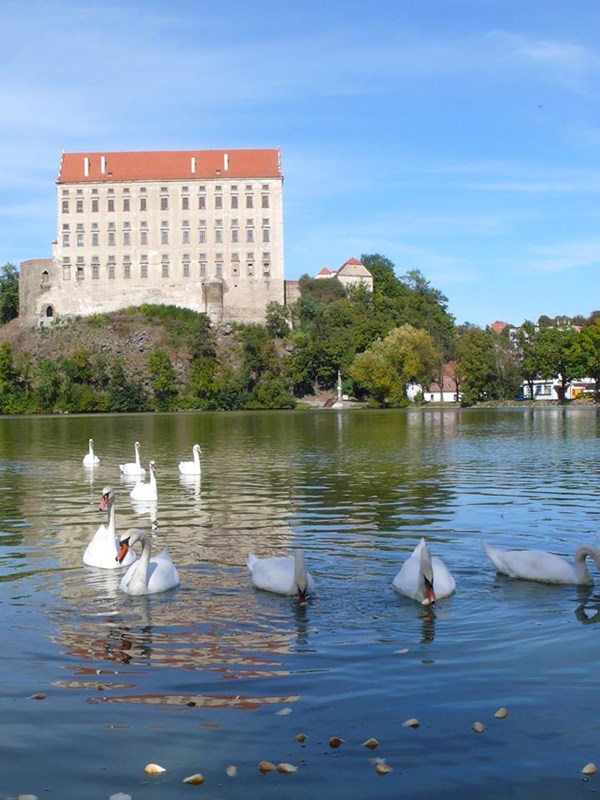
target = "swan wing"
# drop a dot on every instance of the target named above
(532, 565)
(274, 574)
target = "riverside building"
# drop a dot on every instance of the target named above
(200, 229)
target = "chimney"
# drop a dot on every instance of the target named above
(103, 164)
(193, 164)
(225, 161)
(86, 167)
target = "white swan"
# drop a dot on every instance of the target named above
(104, 545)
(147, 492)
(90, 459)
(538, 565)
(282, 574)
(192, 467)
(147, 575)
(424, 577)
(133, 467)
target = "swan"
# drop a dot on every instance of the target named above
(133, 467)
(192, 467)
(146, 491)
(538, 565)
(147, 575)
(90, 459)
(424, 577)
(282, 574)
(104, 545)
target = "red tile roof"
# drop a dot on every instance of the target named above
(169, 165)
(324, 271)
(353, 261)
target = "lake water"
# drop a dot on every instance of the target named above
(215, 673)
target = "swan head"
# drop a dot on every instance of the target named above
(426, 576)
(152, 466)
(91, 442)
(132, 536)
(136, 446)
(196, 448)
(108, 496)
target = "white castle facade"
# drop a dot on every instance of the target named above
(195, 229)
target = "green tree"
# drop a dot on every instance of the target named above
(163, 379)
(9, 292)
(475, 363)
(277, 320)
(585, 353)
(557, 359)
(406, 355)
(125, 393)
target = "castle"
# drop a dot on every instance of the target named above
(201, 229)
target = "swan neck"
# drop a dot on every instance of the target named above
(300, 575)
(580, 556)
(112, 527)
(140, 579)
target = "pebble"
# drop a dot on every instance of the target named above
(335, 741)
(154, 769)
(478, 727)
(301, 737)
(231, 770)
(194, 779)
(501, 713)
(411, 723)
(371, 743)
(383, 769)
(589, 769)
(286, 768)
(266, 766)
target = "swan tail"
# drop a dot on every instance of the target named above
(251, 561)
(494, 557)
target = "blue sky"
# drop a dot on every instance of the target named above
(457, 137)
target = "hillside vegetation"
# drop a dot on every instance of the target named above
(381, 343)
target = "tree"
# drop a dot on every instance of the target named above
(384, 370)
(162, 379)
(277, 318)
(557, 359)
(585, 352)
(9, 292)
(476, 363)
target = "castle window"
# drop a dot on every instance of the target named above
(219, 269)
(94, 191)
(250, 268)
(266, 235)
(235, 270)
(110, 204)
(65, 238)
(49, 311)
(219, 201)
(185, 203)
(95, 268)
(111, 271)
(79, 207)
(65, 206)
(218, 236)
(165, 266)
(203, 269)
(94, 204)
(127, 271)
(234, 201)
(80, 239)
(185, 236)
(144, 266)
(126, 238)
(186, 266)
(45, 278)
(164, 236)
(126, 204)
(201, 236)
(164, 203)
(265, 187)
(202, 202)
(249, 235)
(235, 236)
(66, 265)
(95, 240)
(111, 238)
(79, 273)
(65, 192)
(143, 204)
(249, 201)
(264, 201)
